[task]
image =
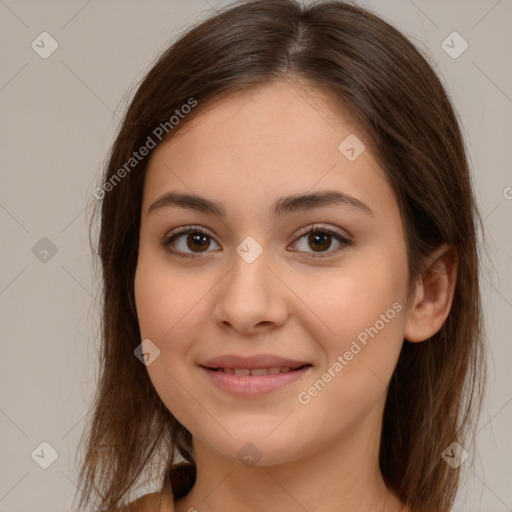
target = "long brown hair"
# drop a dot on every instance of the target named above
(394, 96)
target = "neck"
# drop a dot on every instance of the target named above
(342, 476)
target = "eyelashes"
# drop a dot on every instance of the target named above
(192, 237)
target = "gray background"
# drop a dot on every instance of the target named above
(58, 118)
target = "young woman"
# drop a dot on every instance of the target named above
(292, 315)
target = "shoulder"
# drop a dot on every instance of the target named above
(147, 503)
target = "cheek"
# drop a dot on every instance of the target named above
(165, 311)
(359, 315)
(362, 334)
(347, 302)
(163, 299)
(149, 301)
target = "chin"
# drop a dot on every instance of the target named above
(256, 448)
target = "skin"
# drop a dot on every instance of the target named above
(246, 151)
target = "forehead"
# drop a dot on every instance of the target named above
(280, 139)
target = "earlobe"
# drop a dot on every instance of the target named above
(434, 295)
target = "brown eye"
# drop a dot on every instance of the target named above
(188, 241)
(197, 241)
(320, 240)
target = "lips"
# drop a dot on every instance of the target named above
(255, 375)
(253, 385)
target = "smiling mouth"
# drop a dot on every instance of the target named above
(259, 371)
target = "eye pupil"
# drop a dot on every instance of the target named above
(318, 238)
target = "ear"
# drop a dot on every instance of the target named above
(434, 295)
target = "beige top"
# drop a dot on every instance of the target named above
(161, 502)
(158, 502)
(153, 502)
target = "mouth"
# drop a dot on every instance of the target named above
(254, 382)
(273, 370)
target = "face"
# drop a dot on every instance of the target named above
(319, 282)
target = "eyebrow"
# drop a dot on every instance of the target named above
(286, 204)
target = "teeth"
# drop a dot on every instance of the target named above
(257, 371)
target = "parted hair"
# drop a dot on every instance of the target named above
(397, 100)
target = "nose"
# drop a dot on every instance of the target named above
(251, 298)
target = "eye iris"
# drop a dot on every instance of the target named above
(318, 238)
(197, 238)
